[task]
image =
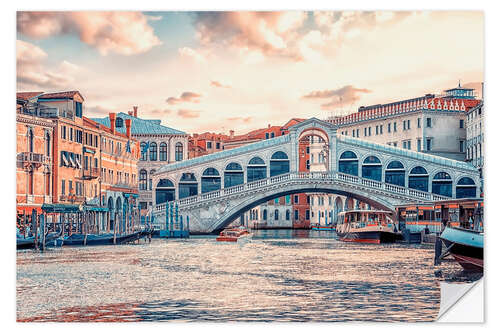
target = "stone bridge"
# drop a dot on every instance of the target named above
(215, 189)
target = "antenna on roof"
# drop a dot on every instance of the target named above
(459, 83)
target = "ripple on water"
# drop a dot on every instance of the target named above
(277, 276)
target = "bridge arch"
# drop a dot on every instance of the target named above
(234, 212)
(234, 174)
(395, 172)
(210, 180)
(348, 162)
(371, 168)
(165, 191)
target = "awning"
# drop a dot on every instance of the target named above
(78, 162)
(29, 209)
(65, 160)
(60, 208)
(95, 208)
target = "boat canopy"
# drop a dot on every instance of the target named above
(60, 208)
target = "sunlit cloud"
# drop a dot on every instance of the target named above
(186, 96)
(217, 84)
(245, 120)
(184, 113)
(346, 95)
(123, 33)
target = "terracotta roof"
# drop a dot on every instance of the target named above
(27, 95)
(62, 94)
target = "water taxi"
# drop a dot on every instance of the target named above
(367, 226)
(233, 234)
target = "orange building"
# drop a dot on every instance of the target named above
(86, 163)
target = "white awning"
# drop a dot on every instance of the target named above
(72, 161)
(65, 160)
(78, 162)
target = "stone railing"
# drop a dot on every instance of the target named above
(33, 158)
(300, 177)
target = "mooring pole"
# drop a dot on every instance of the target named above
(34, 225)
(42, 230)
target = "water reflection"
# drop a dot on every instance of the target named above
(279, 275)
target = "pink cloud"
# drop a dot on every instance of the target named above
(188, 114)
(186, 96)
(245, 120)
(217, 84)
(346, 95)
(118, 32)
(271, 33)
(33, 73)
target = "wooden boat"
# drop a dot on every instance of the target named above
(330, 227)
(233, 234)
(367, 226)
(103, 239)
(465, 245)
(29, 243)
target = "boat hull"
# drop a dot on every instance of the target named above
(372, 237)
(323, 227)
(108, 239)
(466, 247)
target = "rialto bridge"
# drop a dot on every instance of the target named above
(215, 189)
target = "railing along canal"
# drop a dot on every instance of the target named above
(286, 178)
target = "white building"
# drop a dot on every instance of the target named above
(475, 137)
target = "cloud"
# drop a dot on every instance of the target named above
(271, 33)
(160, 112)
(346, 95)
(190, 53)
(186, 96)
(217, 84)
(245, 120)
(123, 33)
(33, 73)
(98, 110)
(188, 114)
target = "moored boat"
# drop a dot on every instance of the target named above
(233, 234)
(465, 245)
(367, 226)
(323, 227)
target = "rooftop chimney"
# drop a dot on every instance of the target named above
(268, 125)
(231, 134)
(135, 111)
(112, 120)
(128, 124)
(130, 113)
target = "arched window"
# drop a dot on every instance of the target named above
(188, 186)
(466, 188)
(287, 215)
(419, 179)
(279, 164)
(442, 184)
(395, 173)
(264, 214)
(153, 151)
(151, 173)
(165, 191)
(144, 151)
(348, 163)
(233, 175)
(31, 139)
(143, 180)
(178, 151)
(118, 122)
(210, 180)
(47, 144)
(276, 215)
(256, 169)
(163, 151)
(372, 168)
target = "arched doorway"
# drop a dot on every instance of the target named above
(111, 214)
(279, 164)
(256, 169)
(314, 152)
(119, 214)
(210, 180)
(188, 185)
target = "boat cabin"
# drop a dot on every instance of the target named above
(366, 218)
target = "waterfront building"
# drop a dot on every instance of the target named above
(34, 154)
(475, 137)
(159, 145)
(206, 143)
(91, 165)
(434, 124)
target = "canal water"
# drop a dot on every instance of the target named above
(277, 275)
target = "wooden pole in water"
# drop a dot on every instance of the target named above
(42, 230)
(84, 226)
(114, 230)
(34, 224)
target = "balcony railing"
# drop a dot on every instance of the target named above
(90, 173)
(36, 158)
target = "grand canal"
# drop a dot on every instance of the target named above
(275, 276)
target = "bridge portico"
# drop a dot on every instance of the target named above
(215, 189)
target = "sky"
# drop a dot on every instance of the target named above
(221, 71)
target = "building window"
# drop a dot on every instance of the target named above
(256, 169)
(209, 145)
(276, 215)
(143, 178)
(395, 128)
(376, 130)
(389, 128)
(264, 214)
(296, 215)
(47, 144)
(419, 179)
(369, 131)
(144, 150)
(372, 168)
(296, 199)
(31, 138)
(357, 133)
(428, 144)
(348, 163)
(307, 214)
(153, 151)
(408, 124)
(461, 123)
(163, 151)
(461, 146)
(217, 145)
(287, 215)
(233, 175)
(381, 129)
(308, 199)
(365, 131)
(63, 187)
(442, 184)
(404, 125)
(418, 122)
(272, 135)
(267, 135)
(395, 173)
(178, 151)
(429, 122)
(419, 144)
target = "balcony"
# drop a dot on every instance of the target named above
(34, 159)
(72, 198)
(90, 173)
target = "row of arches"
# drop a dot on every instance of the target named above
(275, 215)
(213, 180)
(396, 174)
(160, 154)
